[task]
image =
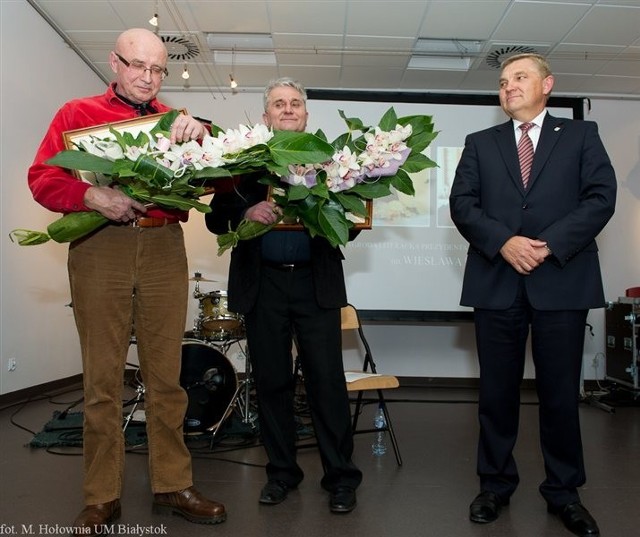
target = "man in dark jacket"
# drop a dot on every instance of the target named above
(285, 283)
(531, 215)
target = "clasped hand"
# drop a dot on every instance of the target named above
(524, 254)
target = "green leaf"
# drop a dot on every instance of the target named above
(334, 226)
(81, 160)
(417, 162)
(164, 124)
(246, 230)
(174, 201)
(27, 237)
(402, 182)
(288, 147)
(351, 203)
(421, 141)
(418, 123)
(154, 171)
(353, 123)
(389, 120)
(126, 139)
(321, 190)
(215, 130)
(297, 192)
(343, 140)
(209, 173)
(379, 189)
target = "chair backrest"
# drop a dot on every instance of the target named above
(349, 318)
(633, 292)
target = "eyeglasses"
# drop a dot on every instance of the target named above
(140, 68)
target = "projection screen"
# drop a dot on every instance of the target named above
(409, 266)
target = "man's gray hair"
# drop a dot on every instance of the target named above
(280, 83)
(540, 61)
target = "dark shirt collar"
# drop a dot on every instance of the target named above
(142, 108)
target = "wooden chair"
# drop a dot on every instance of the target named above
(368, 379)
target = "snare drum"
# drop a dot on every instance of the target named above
(216, 322)
(210, 381)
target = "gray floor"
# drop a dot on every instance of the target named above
(428, 496)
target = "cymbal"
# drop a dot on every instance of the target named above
(197, 277)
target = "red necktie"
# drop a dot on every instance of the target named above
(525, 153)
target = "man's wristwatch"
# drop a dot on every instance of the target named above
(549, 250)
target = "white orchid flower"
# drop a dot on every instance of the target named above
(346, 160)
(108, 149)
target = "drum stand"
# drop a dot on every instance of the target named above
(241, 401)
(139, 398)
(136, 401)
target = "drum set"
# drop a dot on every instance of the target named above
(211, 381)
(207, 375)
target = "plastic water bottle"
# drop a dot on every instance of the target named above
(379, 445)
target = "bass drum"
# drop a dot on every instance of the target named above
(210, 381)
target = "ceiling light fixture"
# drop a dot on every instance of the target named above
(185, 73)
(153, 21)
(233, 82)
(444, 54)
(244, 49)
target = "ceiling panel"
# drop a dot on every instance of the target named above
(305, 16)
(381, 17)
(608, 25)
(528, 22)
(593, 45)
(480, 19)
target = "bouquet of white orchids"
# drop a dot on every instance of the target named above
(317, 183)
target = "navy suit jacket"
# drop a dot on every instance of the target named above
(570, 198)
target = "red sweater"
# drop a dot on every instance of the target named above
(56, 188)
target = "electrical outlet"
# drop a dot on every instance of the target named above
(12, 363)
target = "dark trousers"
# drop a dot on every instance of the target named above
(557, 342)
(286, 304)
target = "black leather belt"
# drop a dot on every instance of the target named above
(286, 267)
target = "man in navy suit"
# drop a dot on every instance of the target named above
(532, 265)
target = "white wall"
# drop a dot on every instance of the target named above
(39, 73)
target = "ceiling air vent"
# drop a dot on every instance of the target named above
(497, 56)
(180, 47)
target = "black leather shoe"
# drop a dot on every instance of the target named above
(486, 507)
(274, 492)
(576, 519)
(342, 499)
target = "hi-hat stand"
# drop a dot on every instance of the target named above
(241, 401)
(136, 401)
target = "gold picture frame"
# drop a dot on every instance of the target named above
(359, 222)
(73, 138)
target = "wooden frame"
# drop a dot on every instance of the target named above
(134, 126)
(359, 222)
